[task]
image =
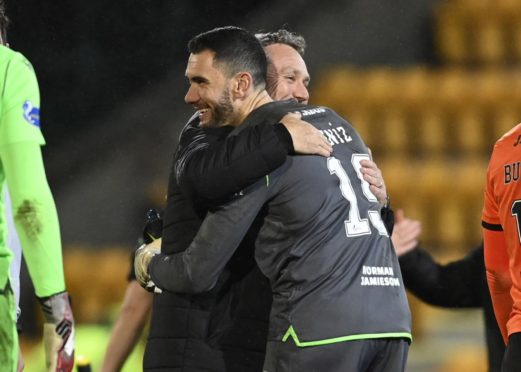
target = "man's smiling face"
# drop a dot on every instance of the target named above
(209, 92)
(288, 75)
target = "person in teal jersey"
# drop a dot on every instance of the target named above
(34, 212)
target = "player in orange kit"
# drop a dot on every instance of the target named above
(501, 222)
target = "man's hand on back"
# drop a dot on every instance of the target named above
(373, 175)
(306, 138)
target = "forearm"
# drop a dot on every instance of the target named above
(35, 216)
(224, 167)
(43, 254)
(440, 285)
(198, 267)
(128, 327)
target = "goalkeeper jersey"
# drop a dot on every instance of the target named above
(20, 127)
(320, 241)
(501, 221)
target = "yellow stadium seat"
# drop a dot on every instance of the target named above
(469, 130)
(96, 279)
(431, 136)
(380, 87)
(390, 132)
(360, 119)
(415, 88)
(451, 35)
(489, 44)
(453, 87)
(339, 89)
(506, 117)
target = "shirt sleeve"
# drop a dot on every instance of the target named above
(456, 284)
(35, 216)
(490, 216)
(182, 218)
(20, 108)
(214, 167)
(198, 267)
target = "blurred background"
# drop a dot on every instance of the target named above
(429, 84)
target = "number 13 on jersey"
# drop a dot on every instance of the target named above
(355, 224)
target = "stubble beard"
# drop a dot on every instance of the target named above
(223, 112)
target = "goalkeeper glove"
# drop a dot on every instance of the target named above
(142, 259)
(58, 332)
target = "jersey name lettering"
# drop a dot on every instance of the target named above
(379, 281)
(377, 270)
(378, 276)
(336, 135)
(312, 111)
(512, 172)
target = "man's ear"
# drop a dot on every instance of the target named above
(242, 84)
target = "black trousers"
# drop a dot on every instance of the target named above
(512, 358)
(371, 355)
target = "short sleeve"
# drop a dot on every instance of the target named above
(490, 211)
(490, 215)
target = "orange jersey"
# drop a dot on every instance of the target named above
(501, 222)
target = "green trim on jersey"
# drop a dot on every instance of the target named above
(291, 333)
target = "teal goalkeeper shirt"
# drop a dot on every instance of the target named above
(21, 167)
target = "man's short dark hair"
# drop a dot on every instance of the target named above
(235, 50)
(283, 36)
(4, 21)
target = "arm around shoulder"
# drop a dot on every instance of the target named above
(215, 167)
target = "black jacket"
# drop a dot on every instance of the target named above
(459, 284)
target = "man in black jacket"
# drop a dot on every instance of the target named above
(305, 214)
(458, 284)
